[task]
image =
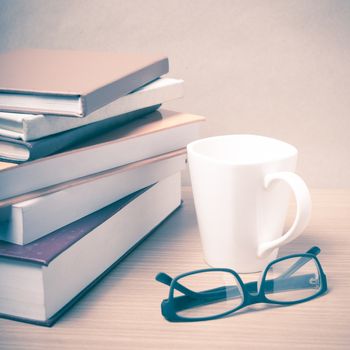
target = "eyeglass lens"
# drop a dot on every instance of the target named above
(283, 283)
(209, 293)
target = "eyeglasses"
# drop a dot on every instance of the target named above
(214, 293)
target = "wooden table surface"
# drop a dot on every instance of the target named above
(123, 310)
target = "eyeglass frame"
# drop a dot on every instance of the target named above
(167, 305)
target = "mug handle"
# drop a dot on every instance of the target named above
(303, 210)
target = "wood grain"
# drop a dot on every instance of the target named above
(123, 311)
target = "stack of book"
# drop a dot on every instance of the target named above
(89, 167)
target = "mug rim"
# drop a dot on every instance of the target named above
(191, 149)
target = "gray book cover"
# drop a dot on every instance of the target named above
(93, 78)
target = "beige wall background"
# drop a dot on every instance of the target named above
(276, 68)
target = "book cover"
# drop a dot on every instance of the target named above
(79, 81)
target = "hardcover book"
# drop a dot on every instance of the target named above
(18, 151)
(154, 134)
(28, 127)
(73, 83)
(55, 271)
(21, 218)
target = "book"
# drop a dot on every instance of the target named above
(157, 133)
(73, 83)
(21, 219)
(17, 151)
(28, 127)
(41, 280)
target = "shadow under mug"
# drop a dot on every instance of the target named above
(241, 186)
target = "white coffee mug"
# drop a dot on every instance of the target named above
(241, 192)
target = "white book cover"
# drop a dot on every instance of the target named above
(31, 219)
(31, 127)
(51, 282)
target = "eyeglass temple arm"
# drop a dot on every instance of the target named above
(166, 279)
(191, 296)
(230, 292)
(191, 299)
(300, 262)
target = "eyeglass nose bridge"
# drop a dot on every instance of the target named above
(252, 298)
(252, 292)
